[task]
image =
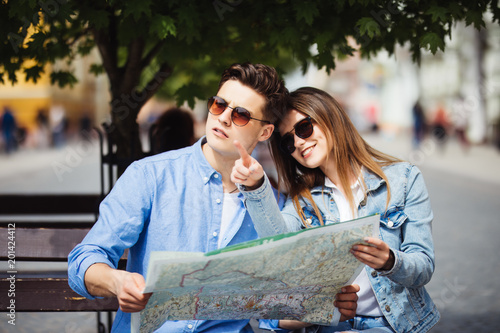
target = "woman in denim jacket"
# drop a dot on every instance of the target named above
(331, 174)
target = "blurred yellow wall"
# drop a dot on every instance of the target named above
(89, 96)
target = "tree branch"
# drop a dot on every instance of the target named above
(133, 68)
(107, 45)
(79, 35)
(152, 53)
(155, 83)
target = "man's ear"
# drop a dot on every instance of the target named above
(267, 131)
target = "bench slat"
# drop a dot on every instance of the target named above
(49, 203)
(42, 244)
(33, 295)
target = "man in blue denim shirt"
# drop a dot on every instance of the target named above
(174, 202)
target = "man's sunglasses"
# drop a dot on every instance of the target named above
(303, 129)
(239, 116)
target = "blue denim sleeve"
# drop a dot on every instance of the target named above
(414, 260)
(121, 219)
(271, 325)
(265, 211)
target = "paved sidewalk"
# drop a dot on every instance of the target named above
(481, 162)
(74, 168)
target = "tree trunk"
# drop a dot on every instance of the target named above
(126, 98)
(124, 130)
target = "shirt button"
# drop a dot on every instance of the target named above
(390, 224)
(387, 308)
(190, 326)
(218, 200)
(216, 176)
(205, 179)
(374, 274)
(215, 234)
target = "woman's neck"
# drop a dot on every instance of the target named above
(332, 173)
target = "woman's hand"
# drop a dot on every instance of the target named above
(246, 170)
(377, 254)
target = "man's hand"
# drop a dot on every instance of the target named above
(129, 292)
(102, 280)
(246, 170)
(346, 302)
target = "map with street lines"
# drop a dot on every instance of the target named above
(289, 276)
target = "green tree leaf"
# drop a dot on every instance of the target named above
(432, 42)
(162, 26)
(63, 78)
(438, 13)
(368, 26)
(305, 11)
(33, 73)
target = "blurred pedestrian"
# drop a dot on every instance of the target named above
(9, 130)
(58, 125)
(372, 115)
(419, 125)
(440, 125)
(43, 129)
(174, 129)
(460, 121)
(85, 126)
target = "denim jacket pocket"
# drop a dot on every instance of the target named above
(394, 218)
(311, 217)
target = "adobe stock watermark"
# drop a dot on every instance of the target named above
(222, 7)
(49, 7)
(449, 294)
(122, 105)
(74, 156)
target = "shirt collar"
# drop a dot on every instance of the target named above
(356, 188)
(205, 169)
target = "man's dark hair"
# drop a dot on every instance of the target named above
(265, 81)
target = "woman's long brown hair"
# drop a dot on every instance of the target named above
(350, 151)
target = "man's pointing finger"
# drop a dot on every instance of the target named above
(246, 158)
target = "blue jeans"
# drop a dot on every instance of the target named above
(358, 324)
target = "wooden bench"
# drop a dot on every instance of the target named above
(45, 228)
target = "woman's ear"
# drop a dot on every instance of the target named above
(267, 131)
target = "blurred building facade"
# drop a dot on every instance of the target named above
(464, 81)
(87, 100)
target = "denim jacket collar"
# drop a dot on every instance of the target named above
(372, 182)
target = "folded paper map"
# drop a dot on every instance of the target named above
(289, 276)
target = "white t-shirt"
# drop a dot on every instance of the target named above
(230, 208)
(367, 303)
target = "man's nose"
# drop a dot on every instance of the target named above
(225, 117)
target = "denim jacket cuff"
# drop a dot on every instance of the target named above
(258, 193)
(395, 267)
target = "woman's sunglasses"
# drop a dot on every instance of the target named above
(303, 129)
(239, 116)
